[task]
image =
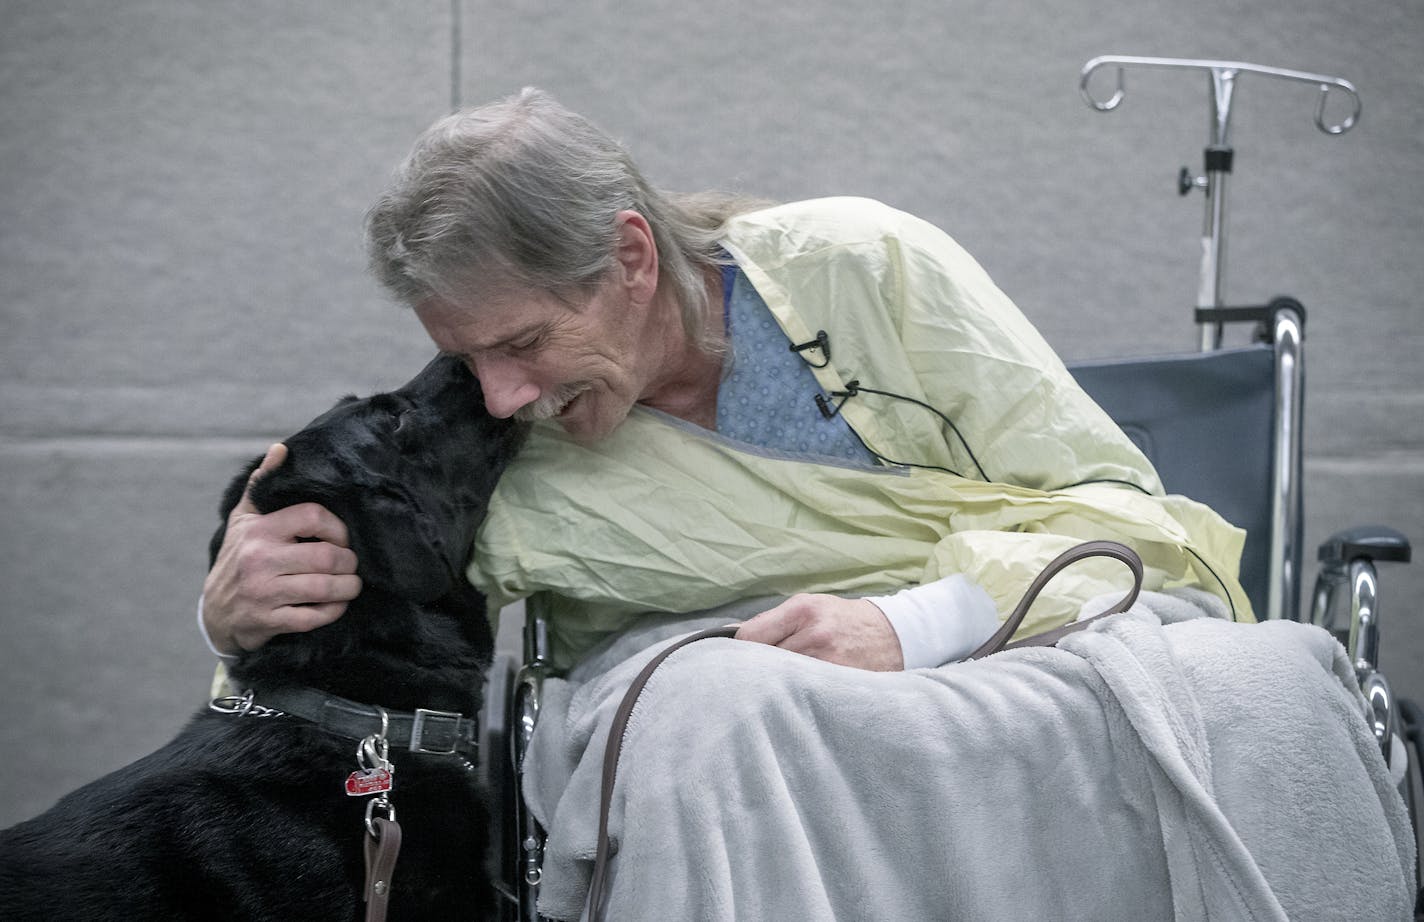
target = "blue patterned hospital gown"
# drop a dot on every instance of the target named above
(768, 399)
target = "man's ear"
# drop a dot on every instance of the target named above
(637, 254)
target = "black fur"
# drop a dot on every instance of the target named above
(245, 818)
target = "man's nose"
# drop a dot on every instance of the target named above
(506, 386)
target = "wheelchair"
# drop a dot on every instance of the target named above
(1221, 425)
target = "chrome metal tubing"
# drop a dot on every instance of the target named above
(1363, 643)
(1213, 266)
(1379, 711)
(538, 649)
(529, 835)
(1347, 605)
(1352, 585)
(1325, 82)
(1283, 600)
(1324, 608)
(1223, 76)
(528, 693)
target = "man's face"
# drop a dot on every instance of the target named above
(539, 357)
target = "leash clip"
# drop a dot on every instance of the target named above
(374, 752)
(374, 773)
(373, 758)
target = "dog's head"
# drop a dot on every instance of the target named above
(410, 472)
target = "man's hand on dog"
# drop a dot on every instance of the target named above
(851, 632)
(270, 577)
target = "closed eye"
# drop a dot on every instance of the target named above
(528, 344)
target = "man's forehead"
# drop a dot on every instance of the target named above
(488, 324)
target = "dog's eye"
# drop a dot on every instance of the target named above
(401, 420)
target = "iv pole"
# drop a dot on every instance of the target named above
(1218, 155)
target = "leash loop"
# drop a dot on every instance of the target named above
(1112, 549)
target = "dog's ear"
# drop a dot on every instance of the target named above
(231, 496)
(397, 545)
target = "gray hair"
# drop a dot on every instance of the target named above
(523, 193)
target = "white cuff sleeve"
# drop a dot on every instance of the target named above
(203, 630)
(939, 622)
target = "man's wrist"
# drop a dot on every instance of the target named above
(939, 622)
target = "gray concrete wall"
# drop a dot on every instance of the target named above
(181, 278)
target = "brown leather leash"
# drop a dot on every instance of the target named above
(1066, 559)
(610, 761)
(994, 644)
(382, 847)
(374, 775)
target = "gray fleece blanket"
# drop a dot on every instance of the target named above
(1160, 765)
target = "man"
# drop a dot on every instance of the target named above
(528, 243)
(825, 418)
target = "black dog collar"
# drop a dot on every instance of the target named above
(424, 731)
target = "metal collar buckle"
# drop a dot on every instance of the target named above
(444, 726)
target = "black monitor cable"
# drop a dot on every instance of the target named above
(855, 388)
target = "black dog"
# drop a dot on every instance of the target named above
(247, 817)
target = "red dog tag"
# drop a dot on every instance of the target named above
(368, 781)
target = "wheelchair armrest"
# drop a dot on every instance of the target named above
(1346, 599)
(1367, 542)
(1347, 604)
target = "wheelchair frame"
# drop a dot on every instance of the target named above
(1345, 600)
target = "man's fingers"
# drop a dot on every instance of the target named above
(305, 538)
(288, 571)
(774, 625)
(289, 619)
(307, 589)
(295, 604)
(851, 632)
(276, 454)
(301, 618)
(307, 520)
(317, 557)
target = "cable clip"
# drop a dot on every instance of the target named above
(822, 342)
(824, 405)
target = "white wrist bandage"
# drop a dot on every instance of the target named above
(939, 622)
